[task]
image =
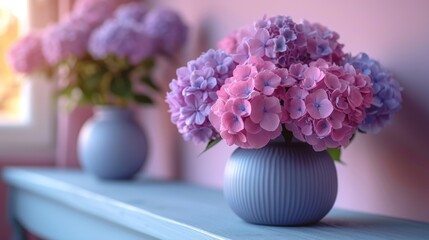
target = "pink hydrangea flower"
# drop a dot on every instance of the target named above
(327, 113)
(231, 42)
(26, 55)
(280, 40)
(246, 113)
(292, 75)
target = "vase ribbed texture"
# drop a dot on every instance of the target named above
(111, 144)
(280, 184)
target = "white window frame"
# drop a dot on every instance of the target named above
(35, 135)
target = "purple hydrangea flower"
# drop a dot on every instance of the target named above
(167, 28)
(134, 11)
(194, 92)
(322, 43)
(70, 37)
(95, 12)
(387, 98)
(67, 39)
(123, 39)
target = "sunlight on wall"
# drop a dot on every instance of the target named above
(12, 15)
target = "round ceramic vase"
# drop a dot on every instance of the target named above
(111, 144)
(282, 183)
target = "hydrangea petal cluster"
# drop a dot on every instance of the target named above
(67, 39)
(194, 92)
(26, 55)
(247, 113)
(230, 43)
(295, 78)
(95, 12)
(284, 42)
(387, 98)
(323, 43)
(124, 39)
(167, 28)
(134, 11)
(70, 37)
(326, 104)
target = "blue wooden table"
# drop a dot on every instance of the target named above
(68, 204)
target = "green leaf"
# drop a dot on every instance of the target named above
(122, 87)
(92, 82)
(143, 99)
(211, 144)
(335, 154)
(146, 79)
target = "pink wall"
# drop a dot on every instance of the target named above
(162, 160)
(69, 124)
(387, 173)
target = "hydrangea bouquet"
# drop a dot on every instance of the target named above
(103, 52)
(278, 77)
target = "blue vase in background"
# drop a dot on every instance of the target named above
(112, 145)
(280, 184)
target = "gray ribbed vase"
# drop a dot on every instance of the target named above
(280, 184)
(112, 145)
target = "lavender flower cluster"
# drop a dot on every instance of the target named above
(168, 30)
(95, 12)
(122, 28)
(67, 39)
(194, 92)
(70, 37)
(122, 39)
(387, 98)
(136, 33)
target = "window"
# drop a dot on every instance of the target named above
(26, 111)
(10, 89)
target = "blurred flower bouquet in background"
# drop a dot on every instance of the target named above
(103, 52)
(277, 77)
